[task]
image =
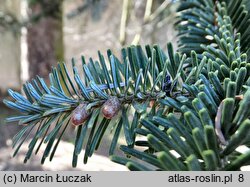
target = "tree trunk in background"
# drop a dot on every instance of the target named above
(45, 38)
(9, 50)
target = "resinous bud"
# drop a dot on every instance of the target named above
(111, 107)
(80, 114)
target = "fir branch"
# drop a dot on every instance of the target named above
(139, 79)
(191, 125)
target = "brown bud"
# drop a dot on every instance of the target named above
(80, 114)
(111, 107)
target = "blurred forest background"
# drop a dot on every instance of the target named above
(36, 34)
